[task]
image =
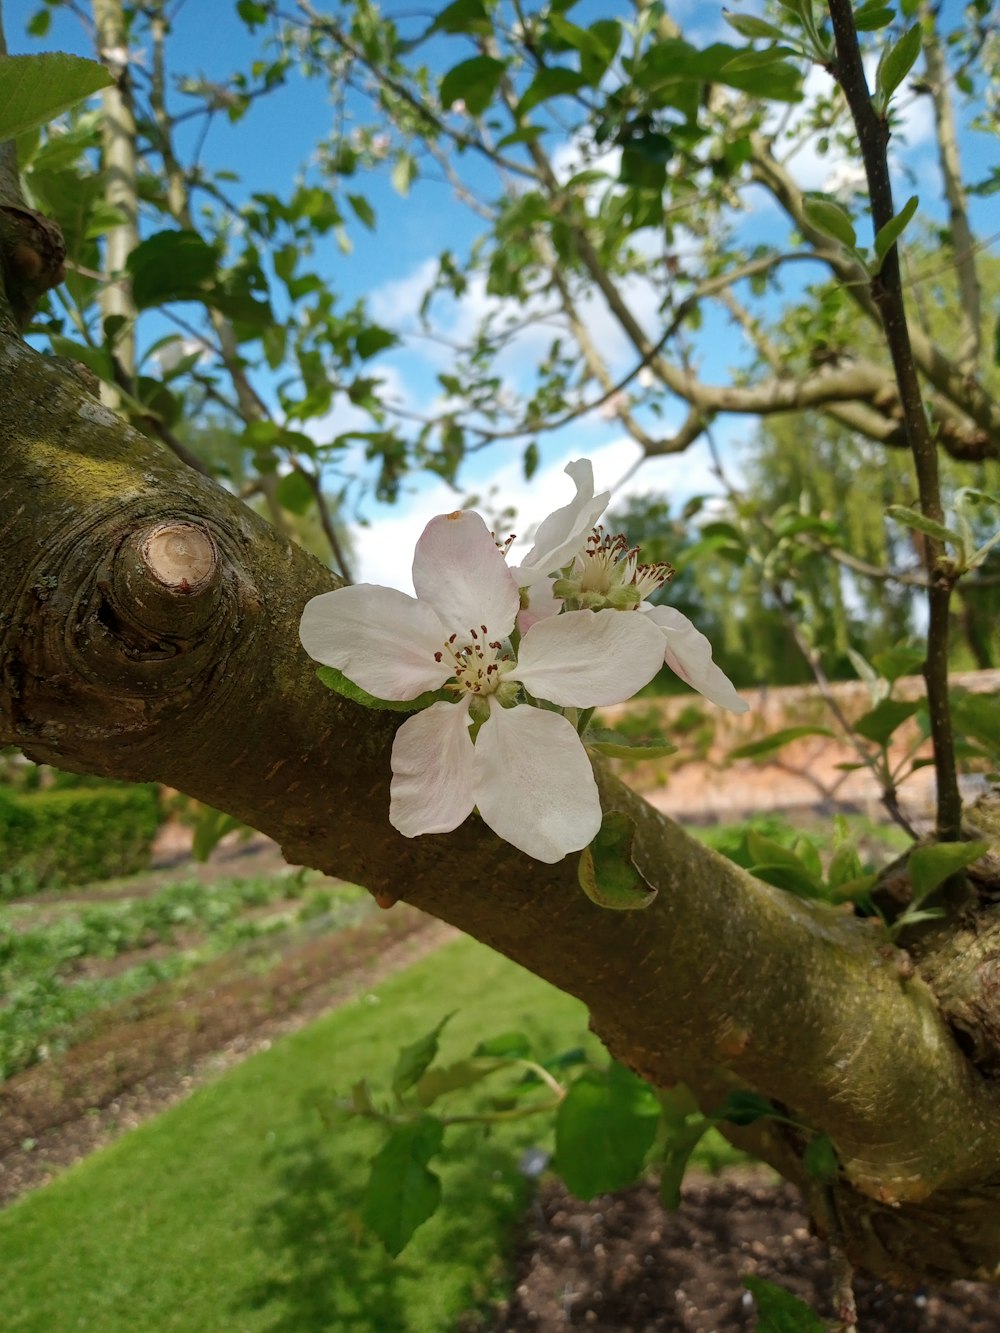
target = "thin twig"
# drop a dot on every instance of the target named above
(887, 293)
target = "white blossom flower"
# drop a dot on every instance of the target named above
(562, 535)
(601, 572)
(524, 767)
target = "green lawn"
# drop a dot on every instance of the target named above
(236, 1210)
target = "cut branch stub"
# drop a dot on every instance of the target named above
(160, 608)
(169, 577)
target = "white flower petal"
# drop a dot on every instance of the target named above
(689, 654)
(542, 603)
(378, 637)
(563, 535)
(585, 658)
(432, 771)
(459, 571)
(534, 784)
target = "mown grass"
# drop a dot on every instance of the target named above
(238, 1209)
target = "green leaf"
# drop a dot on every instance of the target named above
(871, 17)
(792, 879)
(820, 1158)
(616, 746)
(605, 1126)
(404, 173)
(897, 61)
(372, 339)
(414, 1060)
(294, 492)
(778, 1311)
(888, 235)
(765, 852)
(898, 661)
(767, 744)
(880, 722)
(930, 866)
(171, 266)
(363, 210)
(436, 1083)
(530, 461)
(39, 23)
(473, 82)
(469, 16)
(977, 717)
(508, 1045)
(845, 865)
(35, 89)
(556, 81)
(334, 679)
(97, 359)
(401, 1192)
(607, 873)
(674, 61)
(829, 218)
(211, 828)
(251, 12)
(749, 26)
(808, 853)
(853, 890)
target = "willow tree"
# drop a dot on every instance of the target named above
(149, 620)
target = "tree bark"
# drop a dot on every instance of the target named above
(148, 630)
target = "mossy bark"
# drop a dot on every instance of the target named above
(114, 660)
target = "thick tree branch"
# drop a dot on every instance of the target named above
(149, 630)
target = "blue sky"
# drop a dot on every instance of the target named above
(277, 137)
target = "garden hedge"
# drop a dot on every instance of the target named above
(60, 837)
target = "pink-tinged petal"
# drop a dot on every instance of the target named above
(378, 637)
(563, 535)
(542, 603)
(458, 570)
(534, 784)
(432, 773)
(689, 654)
(582, 659)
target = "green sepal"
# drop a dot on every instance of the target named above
(608, 875)
(334, 679)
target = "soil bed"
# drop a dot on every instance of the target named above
(621, 1264)
(155, 1050)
